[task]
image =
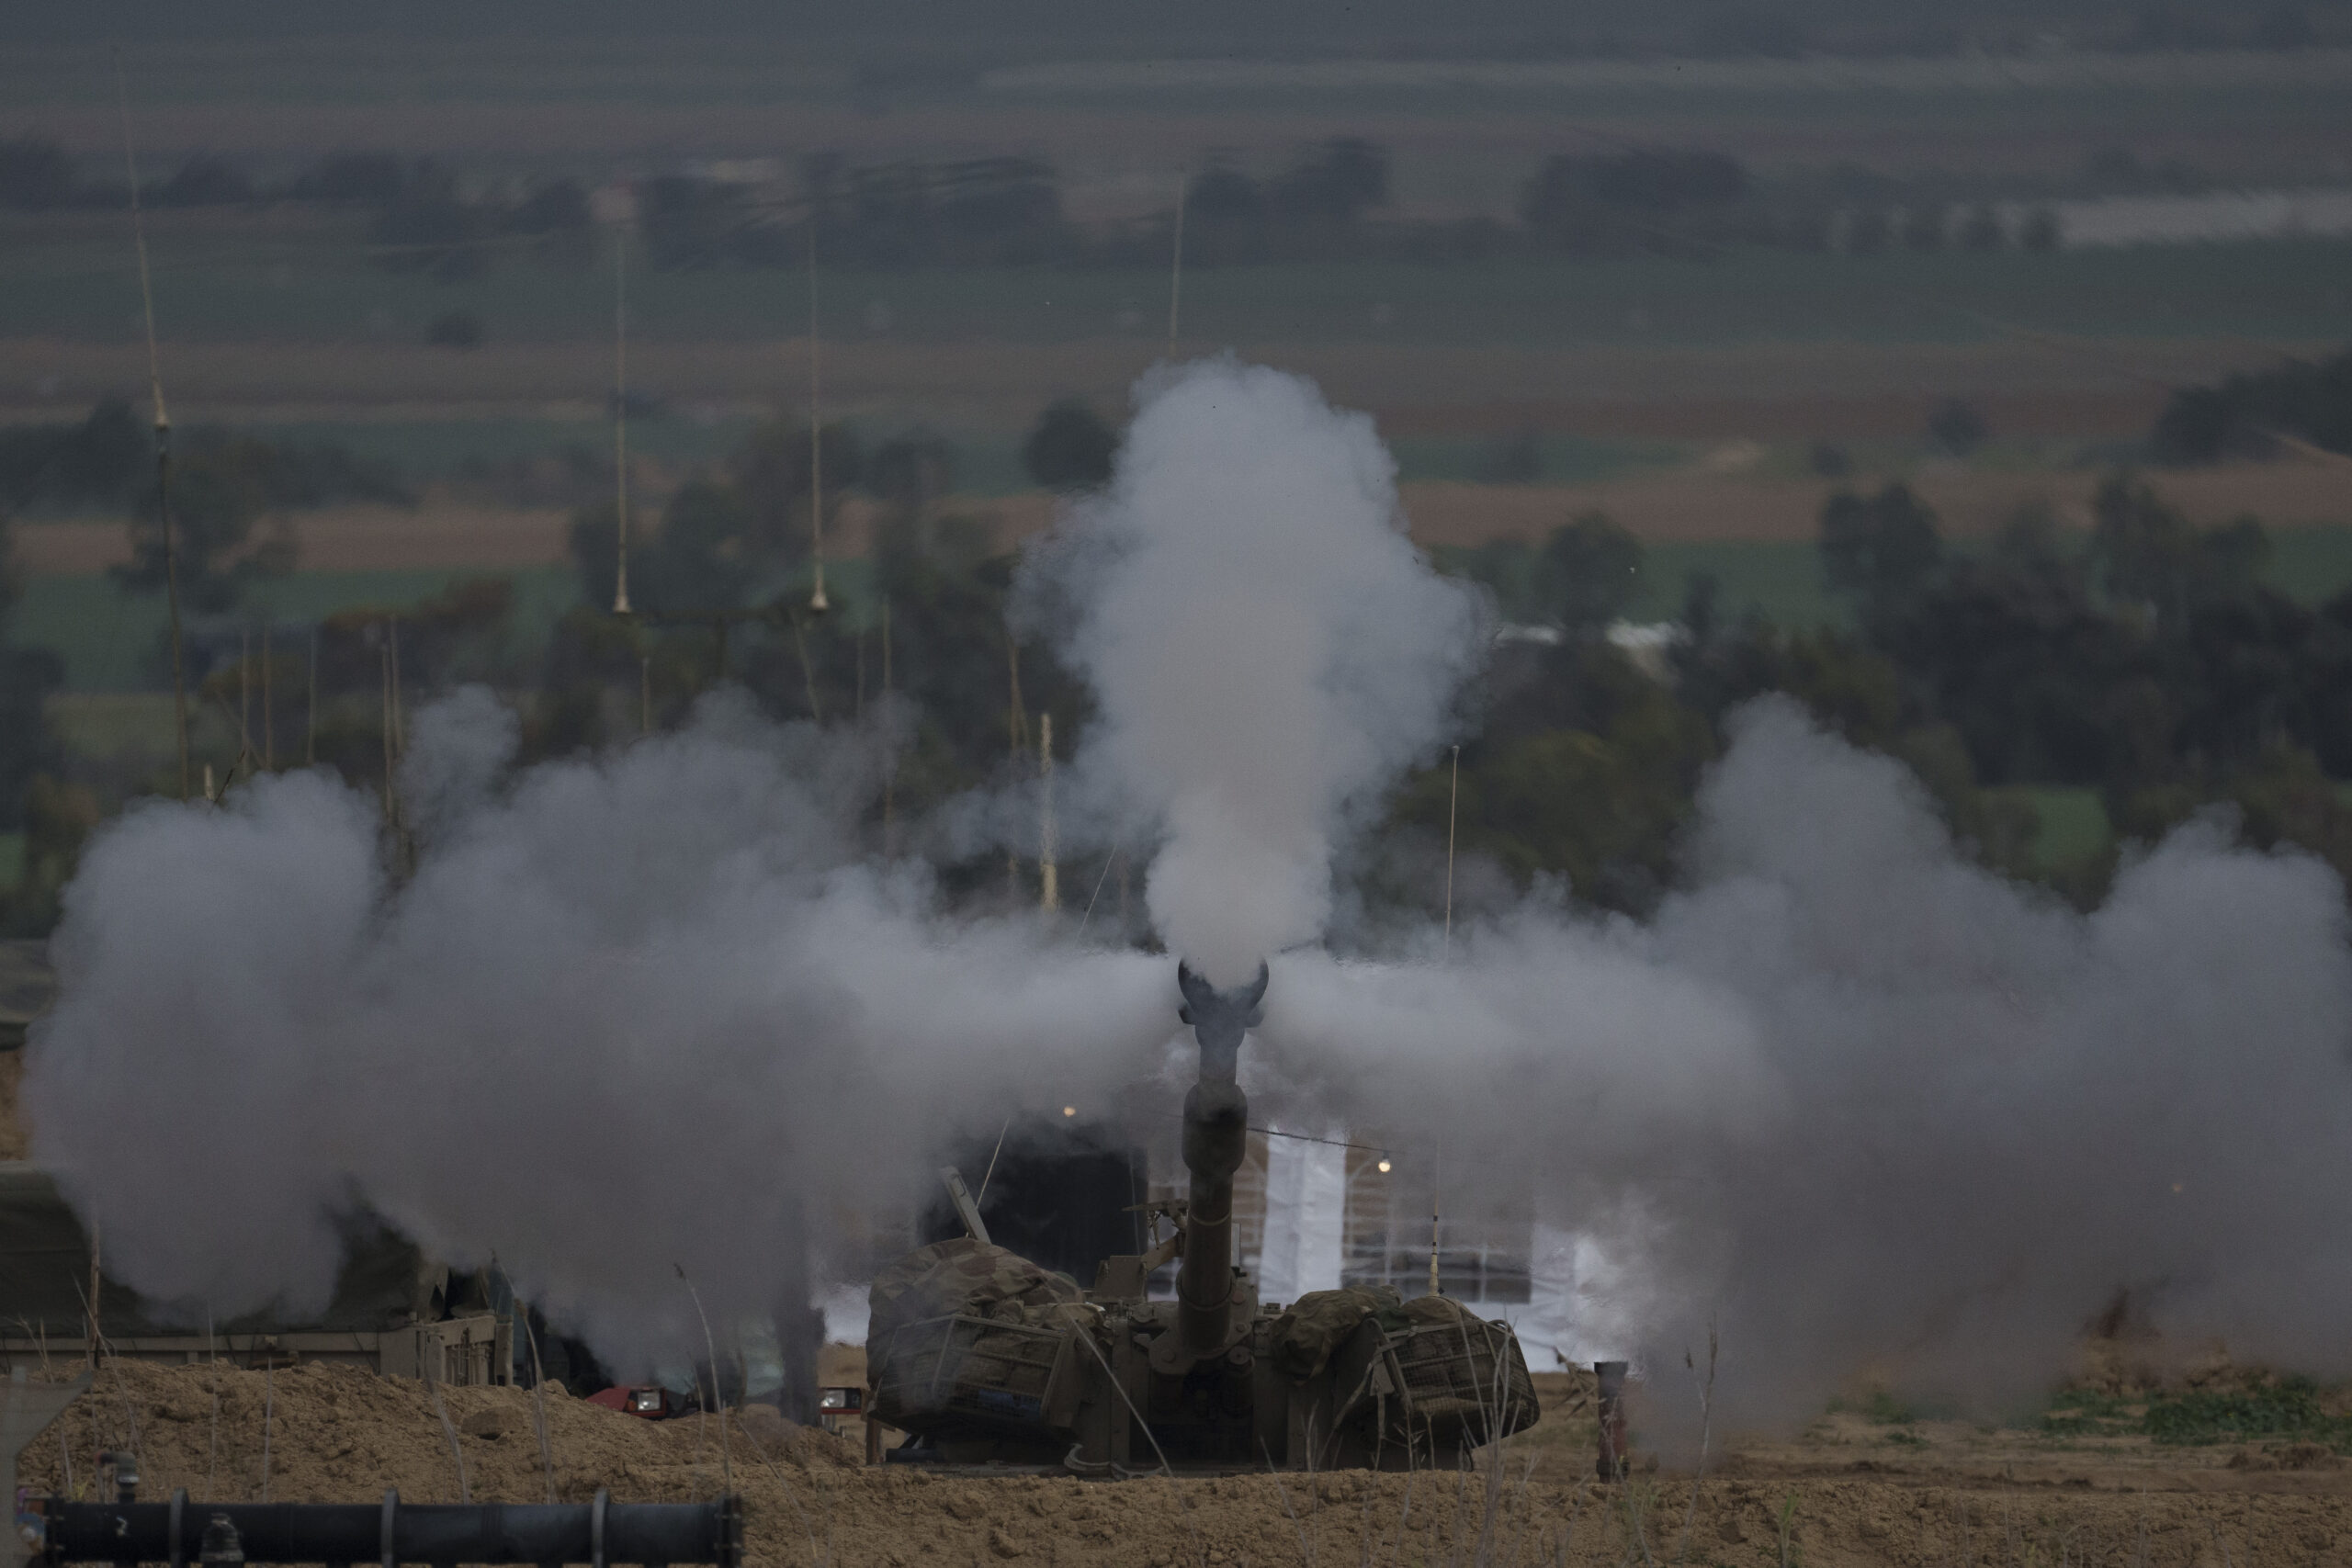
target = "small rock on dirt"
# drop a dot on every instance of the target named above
(492, 1423)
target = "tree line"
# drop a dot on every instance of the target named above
(2144, 660)
(1332, 201)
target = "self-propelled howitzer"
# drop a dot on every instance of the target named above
(985, 1357)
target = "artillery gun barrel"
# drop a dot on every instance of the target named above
(1216, 1130)
(1216, 1133)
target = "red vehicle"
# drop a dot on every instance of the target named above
(649, 1400)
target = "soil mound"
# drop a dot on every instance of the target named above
(1847, 1496)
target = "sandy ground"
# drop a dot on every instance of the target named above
(1835, 1497)
(1665, 507)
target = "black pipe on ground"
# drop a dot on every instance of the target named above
(391, 1533)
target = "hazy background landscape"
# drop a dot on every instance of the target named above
(1698, 268)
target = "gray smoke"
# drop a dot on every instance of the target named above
(1850, 1094)
(630, 1012)
(1874, 1107)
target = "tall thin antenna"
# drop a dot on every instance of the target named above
(383, 651)
(163, 427)
(98, 1340)
(891, 758)
(816, 602)
(1453, 809)
(1176, 270)
(400, 718)
(1437, 1162)
(310, 721)
(1049, 881)
(268, 708)
(620, 417)
(1016, 734)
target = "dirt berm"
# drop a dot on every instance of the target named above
(324, 1434)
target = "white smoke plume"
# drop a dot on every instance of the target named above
(1848, 1093)
(629, 1013)
(1874, 1107)
(1268, 648)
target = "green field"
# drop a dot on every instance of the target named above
(2074, 825)
(113, 641)
(307, 280)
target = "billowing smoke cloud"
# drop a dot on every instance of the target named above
(1267, 649)
(629, 1013)
(1847, 1092)
(1873, 1106)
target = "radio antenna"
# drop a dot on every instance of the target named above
(620, 417)
(162, 429)
(816, 602)
(1176, 268)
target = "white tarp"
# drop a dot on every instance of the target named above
(1306, 1201)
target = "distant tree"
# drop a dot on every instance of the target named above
(430, 227)
(1587, 573)
(1830, 461)
(1334, 183)
(911, 472)
(217, 493)
(557, 212)
(998, 212)
(2115, 167)
(1227, 216)
(1868, 231)
(94, 466)
(222, 485)
(771, 470)
(1923, 228)
(553, 207)
(2147, 553)
(1070, 447)
(1806, 229)
(205, 180)
(1883, 548)
(2040, 232)
(1627, 200)
(2244, 415)
(36, 174)
(456, 329)
(376, 178)
(1981, 229)
(1957, 427)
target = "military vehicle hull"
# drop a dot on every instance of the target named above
(989, 1359)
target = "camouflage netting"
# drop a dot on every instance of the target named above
(963, 1331)
(963, 1275)
(1320, 1320)
(1460, 1373)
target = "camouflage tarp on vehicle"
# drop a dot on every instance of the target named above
(1447, 1361)
(1320, 1320)
(965, 1332)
